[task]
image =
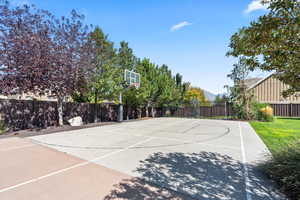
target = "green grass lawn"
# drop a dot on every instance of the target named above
(278, 133)
(282, 136)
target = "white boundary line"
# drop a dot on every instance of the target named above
(72, 167)
(19, 147)
(260, 139)
(246, 171)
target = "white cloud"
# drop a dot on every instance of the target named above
(180, 25)
(256, 5)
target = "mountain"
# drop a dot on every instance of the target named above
(209, 96)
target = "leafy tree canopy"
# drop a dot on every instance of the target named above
(195, 96)
(239, 96)
(39, 52)
(272, 42)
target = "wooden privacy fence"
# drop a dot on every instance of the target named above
(226, 110)
(217, 110)
(286, 110)
(24, 114)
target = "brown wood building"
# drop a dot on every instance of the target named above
(269, 90)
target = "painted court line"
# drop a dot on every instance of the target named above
(265, 147)
(182, 142)
(71, 167)
(246, 171)
(201, 143)
(19, 147)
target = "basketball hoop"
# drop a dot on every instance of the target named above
(136, 85)
(133, 79)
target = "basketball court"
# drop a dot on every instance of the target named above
(162, 158)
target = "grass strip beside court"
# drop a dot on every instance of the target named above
(283, 139)
(279, 133)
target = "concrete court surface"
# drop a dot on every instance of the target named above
(163, 158)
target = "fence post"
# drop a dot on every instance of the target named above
(35, 112)
(225, 110)
(120, 111)
(199, 116)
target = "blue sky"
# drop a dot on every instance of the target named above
(190, 36)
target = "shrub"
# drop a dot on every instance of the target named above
(284, 168)
(241, 112)
(263, 112)
(266, 114)
(267, 110)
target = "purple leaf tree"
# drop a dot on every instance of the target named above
(40, 53)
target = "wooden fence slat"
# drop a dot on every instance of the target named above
(286, 110)
(281, 110)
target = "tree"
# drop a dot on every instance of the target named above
(239, 96)
(182, 88)
(104, 76)
(159, 88)
(81, 94)
(69, 37)
(40, 53)
(149, 87)
(194, 97)
(127, 60)
(25, 49)
(272, 42)
(169, 95)
(221, 99)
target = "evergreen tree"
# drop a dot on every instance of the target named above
(104, 75)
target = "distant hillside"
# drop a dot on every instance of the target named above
(209, 96)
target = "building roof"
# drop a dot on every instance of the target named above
(253, 82)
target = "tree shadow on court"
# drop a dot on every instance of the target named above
(139, 189)
(203, 175)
